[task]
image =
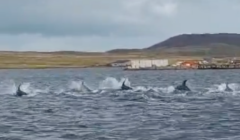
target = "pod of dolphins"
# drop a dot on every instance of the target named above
(182, 87)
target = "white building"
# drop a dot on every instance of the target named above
(147, 63)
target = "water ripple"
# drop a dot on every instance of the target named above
(152, 112)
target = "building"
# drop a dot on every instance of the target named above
(207, 60)
(235, 61)
(221, 60)
(190, 64)
(178, 63)
(120, 63)
(148, 63)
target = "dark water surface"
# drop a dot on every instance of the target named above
(152, 111)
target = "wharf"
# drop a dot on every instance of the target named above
(215, 66)
(199, 67)
(160, 68)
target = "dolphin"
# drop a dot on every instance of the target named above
(183, 86)
(228, 88)
(124, 87)
(85, 87)
(20, 92)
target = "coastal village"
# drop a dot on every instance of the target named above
(166, 64)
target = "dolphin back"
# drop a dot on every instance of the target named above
(184, 83)
(183, 86)
(19, 88)
(85, 87)
(123, 84)
(20, 92)
(124, 87)
(228, 88)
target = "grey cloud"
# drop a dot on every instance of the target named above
(119, 17)
(73, 17)
(108, 24)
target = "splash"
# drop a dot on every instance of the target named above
(75, 85)
(79, 87)
(234, 86)
(30, 90)
(168, 89)
(112, 83)
(10, 87)
(220, 89)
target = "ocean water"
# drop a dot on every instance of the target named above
(59, 108)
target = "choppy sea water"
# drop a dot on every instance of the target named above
(58, 107)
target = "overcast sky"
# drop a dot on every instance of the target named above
(100, 25)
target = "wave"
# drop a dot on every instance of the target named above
(10, 87)
(111, 85)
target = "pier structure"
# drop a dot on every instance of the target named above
(182, 65)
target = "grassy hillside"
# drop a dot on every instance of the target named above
(37, 60)
(54, 60)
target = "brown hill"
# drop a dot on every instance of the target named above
(221, 44)
(198, 40)
(124, 50)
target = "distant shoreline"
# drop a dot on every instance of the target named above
(52, 67)
(65, 60)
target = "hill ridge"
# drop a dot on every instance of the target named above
(184, 40)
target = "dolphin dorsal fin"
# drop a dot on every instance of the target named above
(227, 85)
(184, 82)
(123, 84)
(19, 87)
